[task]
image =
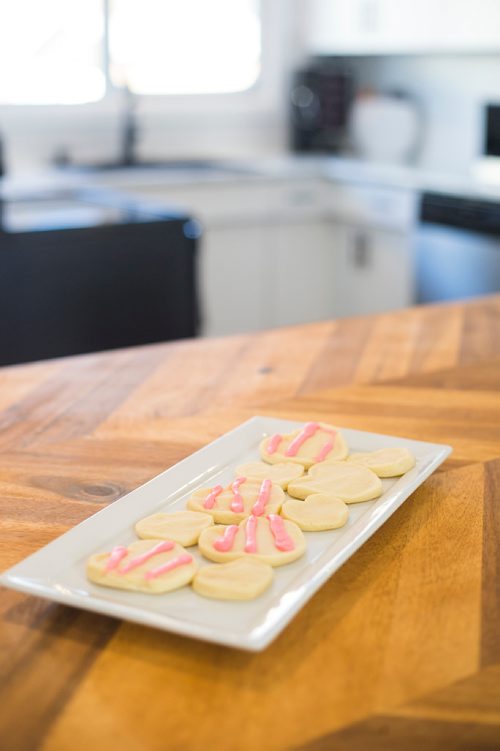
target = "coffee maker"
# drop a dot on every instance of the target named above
(320, 97)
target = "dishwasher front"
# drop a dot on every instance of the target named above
(457, 249)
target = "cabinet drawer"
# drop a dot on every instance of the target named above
(373, 206)
(226, 204)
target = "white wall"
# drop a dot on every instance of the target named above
(451, 91)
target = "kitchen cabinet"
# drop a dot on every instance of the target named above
(282, 252)
(233, 280)
(402, 26)
(292, 272)
(269, 262)
(304, 269)
(374, 270)
(372, 231)
(265, 256)
(275, 274)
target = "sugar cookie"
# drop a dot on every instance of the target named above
(152, 566)
(183, 527)
(243, 579)
(270, 539)
(317, 513)
(281, 474)
(390, 462)
(240, 499)
(314, 443)
(349, 482)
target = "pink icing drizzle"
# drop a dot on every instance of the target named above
(226, 542)
(281, 538)
(212, 496)
(273, 443)
(181, 560)
(237, 504)
(250, 535)
(325, 450)
(264, 495)
(162, 547)
(115, 557)
(307, 431)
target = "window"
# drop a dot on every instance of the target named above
(184, 46)
(75, 51)
(51, 51)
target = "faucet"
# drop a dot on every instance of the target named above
(129, 129)
(2, 161)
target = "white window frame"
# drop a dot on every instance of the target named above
(260, 99)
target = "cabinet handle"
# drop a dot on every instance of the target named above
(361, 251)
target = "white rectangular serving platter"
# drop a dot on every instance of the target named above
(57, 571)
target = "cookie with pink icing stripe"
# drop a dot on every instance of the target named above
(242, 497)
(315, 442)
(152, 566)
(270, 539)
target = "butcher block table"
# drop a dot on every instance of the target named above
(399, 650)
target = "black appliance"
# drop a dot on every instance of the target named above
(84, 271)
(492, 130)
(457, 249)
(320, 98)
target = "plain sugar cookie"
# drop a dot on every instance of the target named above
(270, 539)
(153, 566)
(242, 497)
(243, 579)
(317, 513)
(183, 527)
(281, 474)
(349, 482)
(391, 462)
(315, 442)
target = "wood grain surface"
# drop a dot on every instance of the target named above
(399, 650)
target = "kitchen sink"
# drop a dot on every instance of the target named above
(170, 165)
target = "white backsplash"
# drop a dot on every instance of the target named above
(451, 91)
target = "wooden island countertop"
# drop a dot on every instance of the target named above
(399, 650)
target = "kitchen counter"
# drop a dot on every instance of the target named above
(227, 171)
(335, 169)
(400, 649)
(289, 167)
(411, 177)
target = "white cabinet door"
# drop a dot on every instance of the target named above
(342, 26)
(399, 26)
(253, 278)
(302, 273)
(278, 255)
(374, 270)
(257, 277)
(232, 280)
